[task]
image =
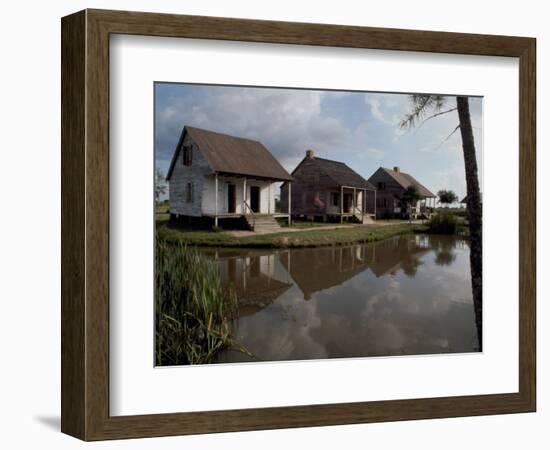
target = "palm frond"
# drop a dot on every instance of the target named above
(421, 105)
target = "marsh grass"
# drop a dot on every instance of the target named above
(193, 310)
(443, 222)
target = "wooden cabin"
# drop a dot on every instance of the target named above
(390, 185)
(328, 190)
(222, 180)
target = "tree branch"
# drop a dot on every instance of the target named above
(448, 137)
(436, 115)
(420, 105)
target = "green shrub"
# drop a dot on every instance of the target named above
(193, 311)
(443, 223)
(459, 212)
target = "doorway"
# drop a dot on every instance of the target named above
(231, 198)
(348, 201)
(255, 198)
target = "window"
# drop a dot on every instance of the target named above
(334, 198)
(187, 155)
(381, 186)
(189, 193)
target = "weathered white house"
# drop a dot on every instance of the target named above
(217, 177)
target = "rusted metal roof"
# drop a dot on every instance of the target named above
(233, 155)
(406, 180)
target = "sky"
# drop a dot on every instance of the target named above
(360, 129)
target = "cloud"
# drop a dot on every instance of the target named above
(375, 108)
(288, 122)
(372, 153)
(387, 108)
(360, 129)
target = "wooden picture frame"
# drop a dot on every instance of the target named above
(85, 224)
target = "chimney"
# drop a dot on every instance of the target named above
(396, 169)
(310, 154)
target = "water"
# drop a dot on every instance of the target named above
(406, 295)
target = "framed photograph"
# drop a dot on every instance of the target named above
(268, 224)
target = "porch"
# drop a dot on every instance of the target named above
(423, 208)
(239, 196)
(354, 203)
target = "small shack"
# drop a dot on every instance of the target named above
(328, 190)
(390, 185)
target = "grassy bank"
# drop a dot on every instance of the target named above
(192, 309)
(298, 239)
(302, 224)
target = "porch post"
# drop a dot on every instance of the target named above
(289, 200)
(216, 199)
(244, 195)
(341, 204)
(375, 205)
(269, 198)
(363, 201)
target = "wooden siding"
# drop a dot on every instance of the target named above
(181, 176)
(310, 190)
(386, 197)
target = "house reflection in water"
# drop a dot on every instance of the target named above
(405, 295)
(317, 269)
(256, 276)
(260, 277)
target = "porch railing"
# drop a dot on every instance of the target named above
(247, 206)
(358, 212)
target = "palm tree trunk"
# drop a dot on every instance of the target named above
(474, 208)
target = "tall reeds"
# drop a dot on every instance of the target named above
(443, 223)
(193, 310)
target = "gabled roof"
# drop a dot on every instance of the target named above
(340, 173)
(233, 155)
(323, 272)
(405, 180)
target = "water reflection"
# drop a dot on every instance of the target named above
(405, 295)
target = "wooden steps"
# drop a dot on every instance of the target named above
(365, 220)
(263, 223)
